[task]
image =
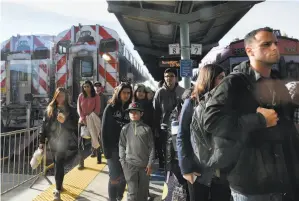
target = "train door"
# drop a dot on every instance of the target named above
(20, 80)
(82, 70)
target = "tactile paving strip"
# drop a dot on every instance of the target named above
(75, 181)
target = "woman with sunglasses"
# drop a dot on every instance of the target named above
(114, 118)
(88, 102)
(59, 124)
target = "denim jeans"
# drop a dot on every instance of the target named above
(117, 183)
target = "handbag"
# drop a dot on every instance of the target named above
(173, 190)
(85, 132)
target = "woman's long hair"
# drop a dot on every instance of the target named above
(116, 100)
(92, 90)
(206, 80)
(53, 105)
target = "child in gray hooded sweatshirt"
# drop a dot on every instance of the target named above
(137, 154)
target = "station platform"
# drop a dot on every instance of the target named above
(88, 184)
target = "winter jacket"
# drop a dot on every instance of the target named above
(164, 102)
(260, 166)
(136, 145)
(114, 118)
(59, 134)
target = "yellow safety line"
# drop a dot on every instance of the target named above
(75, 181)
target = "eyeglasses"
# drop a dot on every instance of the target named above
(171, 76)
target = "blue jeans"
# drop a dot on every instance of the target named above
(115, 169)
(117, 183)
(267, 197)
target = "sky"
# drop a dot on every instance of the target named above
(55, 16)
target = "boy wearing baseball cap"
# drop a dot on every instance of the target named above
(137, 154)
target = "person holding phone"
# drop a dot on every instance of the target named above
(59, 124)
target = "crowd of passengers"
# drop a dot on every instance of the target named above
(228, 137)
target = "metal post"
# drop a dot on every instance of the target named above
(28, 115)
(185, 49)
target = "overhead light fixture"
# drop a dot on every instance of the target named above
(106, 57)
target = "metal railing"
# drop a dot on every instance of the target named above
(17, 148)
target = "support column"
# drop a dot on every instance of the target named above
(185, 49)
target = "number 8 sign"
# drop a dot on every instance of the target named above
(174, 49)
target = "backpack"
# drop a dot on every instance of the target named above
(201, 140)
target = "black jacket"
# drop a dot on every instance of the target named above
(171, 144)
(260, 166)
(148, 113)
(114, 118)
(55, 131)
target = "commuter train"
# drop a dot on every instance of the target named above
(32, 66)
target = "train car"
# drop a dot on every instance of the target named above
(32, 66)
(25, 66)
(94, 52)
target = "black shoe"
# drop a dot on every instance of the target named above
(100, 161)
(81, 164)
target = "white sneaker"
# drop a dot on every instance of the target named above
(56, 194)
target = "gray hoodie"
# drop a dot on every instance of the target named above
(136, 144)
(164, 102)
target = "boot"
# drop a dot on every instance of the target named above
(81, 162)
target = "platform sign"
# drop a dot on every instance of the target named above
(174, 49)
(186, 68)
(196, 49)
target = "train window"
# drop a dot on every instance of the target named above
(63, 46)
(4, 53)
(108, 45)
(41, 53)
(20, 71)
(86, 68)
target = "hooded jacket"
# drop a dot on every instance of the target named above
(261, 166)
(164, 102)
(114, 118)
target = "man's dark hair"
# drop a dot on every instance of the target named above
(171, 70)
(97, 83)
(251, 35)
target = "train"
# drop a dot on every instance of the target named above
(32, 66)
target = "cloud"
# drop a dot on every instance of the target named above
(88, 9)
